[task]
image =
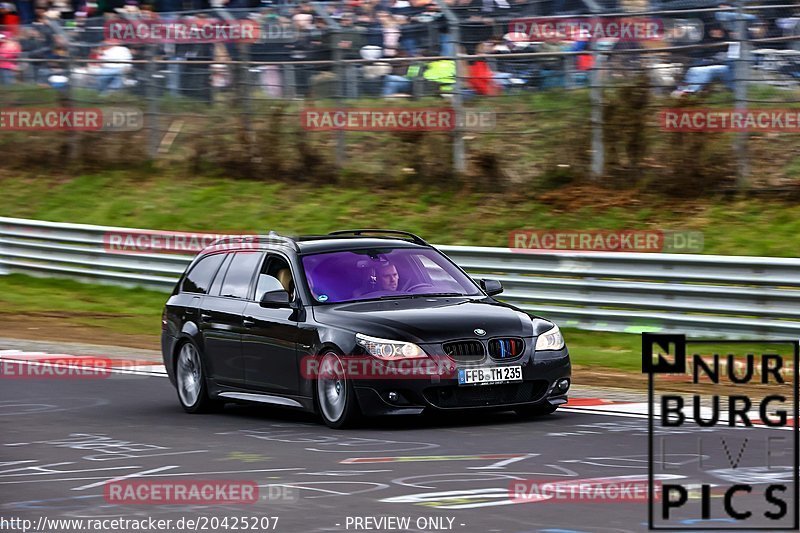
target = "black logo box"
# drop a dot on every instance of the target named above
(678, 366)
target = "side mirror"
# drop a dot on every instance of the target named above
(491, 286)
(278, 298)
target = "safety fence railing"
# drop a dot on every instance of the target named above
(734, 296)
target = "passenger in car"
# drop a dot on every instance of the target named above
(284, 275)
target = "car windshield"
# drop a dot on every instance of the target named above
(384, 273)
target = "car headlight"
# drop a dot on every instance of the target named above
(389, 350)
(550, 340)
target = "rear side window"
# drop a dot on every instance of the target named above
(199, 278)
(240, 272)
(217, 285)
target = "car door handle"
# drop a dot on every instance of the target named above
(248, 323)
(205, 316)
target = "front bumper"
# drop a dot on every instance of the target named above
(413, 396)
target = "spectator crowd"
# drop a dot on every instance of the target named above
(406, 47)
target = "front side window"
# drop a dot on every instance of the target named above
(275, 275)
(199, 278)
(240, 272)
(384, 273)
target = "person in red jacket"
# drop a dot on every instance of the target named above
(9, 20)
(480, 77)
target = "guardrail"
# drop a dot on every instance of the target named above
(732, 296)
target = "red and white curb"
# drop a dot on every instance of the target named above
(600, 406)
(88, 362)
(608, 407)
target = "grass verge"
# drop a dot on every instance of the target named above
(746, 226)
(60, 309)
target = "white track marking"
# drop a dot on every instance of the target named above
(120, 478)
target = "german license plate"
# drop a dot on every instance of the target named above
(483, 376)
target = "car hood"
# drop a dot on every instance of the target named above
(431, 320)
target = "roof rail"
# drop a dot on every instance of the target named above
(270, 238)
(416, 238)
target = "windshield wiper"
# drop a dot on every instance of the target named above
(427, 294)
(394, 297)
(408, 296)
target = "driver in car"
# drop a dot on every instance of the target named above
(388, 278)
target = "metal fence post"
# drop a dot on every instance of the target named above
(65, 95)
(351, 79)
(246, 107)
(289, 82)
(596, 99)
(339, 70)
(341, 147)
(151, 95)
(741, 80)
(568, 64)
(459, 149)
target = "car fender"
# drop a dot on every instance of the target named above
(342, 341)
(189, 331)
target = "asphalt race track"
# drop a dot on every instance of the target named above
(63, 439)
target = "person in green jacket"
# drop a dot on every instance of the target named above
(443, 72)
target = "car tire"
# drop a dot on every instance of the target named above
(337, 404)
(190, 380)
(534, 411)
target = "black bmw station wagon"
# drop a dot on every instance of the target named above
(357, 322)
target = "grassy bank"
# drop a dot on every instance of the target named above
(749, 226)
(58, 309)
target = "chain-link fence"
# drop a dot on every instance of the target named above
(662, 94)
